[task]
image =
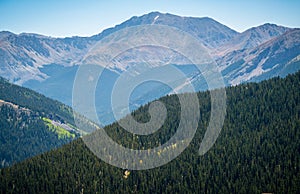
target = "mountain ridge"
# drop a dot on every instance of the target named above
(49, 65)
(31, 123)
(24, 131)
(275, 53)
(179, 22)
(22, 55)
(252, 38)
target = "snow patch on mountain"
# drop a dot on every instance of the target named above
(154, 20)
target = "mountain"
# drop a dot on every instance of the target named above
(31, 124)
(209, 31)
(22, 55)
(257, 151)
(276, 57)
(49, 65)
(251, 38)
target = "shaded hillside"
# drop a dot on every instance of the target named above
(34, 101)
(31, 123)
(256, 152)
(23, 134)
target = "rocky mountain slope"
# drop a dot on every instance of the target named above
(22, 55)
(251, 38)
(276, 57)
(49, 65)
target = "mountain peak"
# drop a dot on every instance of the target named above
(253, 37)
(268, 27)
(210, 32)
(4, 34)
(155, 14)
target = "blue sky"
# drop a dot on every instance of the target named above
(61, 18)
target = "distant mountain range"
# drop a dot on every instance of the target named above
(49, 65)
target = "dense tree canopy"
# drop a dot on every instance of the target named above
(23, 133)
(34, 101)
(257, 151)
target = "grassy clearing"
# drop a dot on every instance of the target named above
(61, 132)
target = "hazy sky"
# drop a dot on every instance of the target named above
(60, 18)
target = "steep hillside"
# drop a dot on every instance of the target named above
(22, 55)
(251, 38)
(31, 123)
(276, 57)
(34, 101)
(256, 152)
(24, 134)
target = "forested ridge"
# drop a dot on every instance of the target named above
(257, 151)
(34, 101)
(23, 132)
